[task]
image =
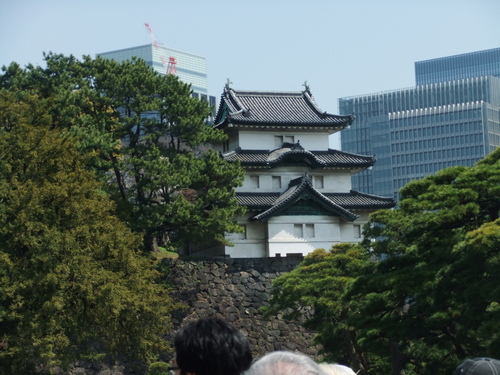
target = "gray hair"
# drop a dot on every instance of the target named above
(285, 363)
(336, 369)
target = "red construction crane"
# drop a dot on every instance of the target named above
(170, 65)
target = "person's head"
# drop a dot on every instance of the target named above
(478, 366)
(211, 347)
(285, 363)
(336, 369)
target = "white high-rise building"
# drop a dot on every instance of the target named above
(190, 68)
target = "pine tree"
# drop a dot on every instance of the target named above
(73, 284)
(150, 142)
(429, 298)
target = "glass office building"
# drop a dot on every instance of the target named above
(467, 65)
(191, 69)
(417, 131)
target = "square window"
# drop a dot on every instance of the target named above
(254, 182)
(237, 236)
(318, 182)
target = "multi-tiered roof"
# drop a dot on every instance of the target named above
(244, 110)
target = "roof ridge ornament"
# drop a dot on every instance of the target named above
(306, 88)
(228, 83)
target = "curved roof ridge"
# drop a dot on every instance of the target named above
(296, 188)
(312, 103)
(319, 158)
(305, 153)
(236, 100)
(267, 92)
(276, 108)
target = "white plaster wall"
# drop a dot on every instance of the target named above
(337, 181)
(276, 236)
(282, 240)
(264, 140)
(349, 233)
(333, 181)
(247, 250)
(255, 243)
(266, 181)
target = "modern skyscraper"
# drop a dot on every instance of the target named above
(451, 68)
(190, 68)
(417, 131)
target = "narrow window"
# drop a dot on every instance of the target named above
(297, 231)
(276, 182)
(309, 230)
(356, 231)
(278, 140)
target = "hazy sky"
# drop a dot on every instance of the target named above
(341, 48)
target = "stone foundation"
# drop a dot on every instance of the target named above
(232, 289)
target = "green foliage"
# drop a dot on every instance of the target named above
(149, 143)
(432, 297)
(315, 291)
(158, 368)
(72, 282)
(435, 287)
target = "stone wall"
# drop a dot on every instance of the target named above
(235, 289)
(232, 289)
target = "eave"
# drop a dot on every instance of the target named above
(297, 190)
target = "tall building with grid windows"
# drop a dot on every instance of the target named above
(450, 68)
(191, 69)
(417, 131)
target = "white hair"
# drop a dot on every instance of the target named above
(336, 369)
(285, 363)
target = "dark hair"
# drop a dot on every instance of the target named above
(212, 347)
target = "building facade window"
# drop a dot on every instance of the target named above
(318, 182)
(254, 182)
(237, 236)
(276, 182)
(298, 230)
(278, 140)
(304, 230)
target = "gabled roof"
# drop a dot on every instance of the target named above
(354, 201)
(298, 189)
(295, 152)
(271, 108)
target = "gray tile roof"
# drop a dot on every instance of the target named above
(296, 189)
(317, 159)
(259, 108)
(353, 200)
(360, 201)
(257, 201)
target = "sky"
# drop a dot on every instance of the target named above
(340, 48)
